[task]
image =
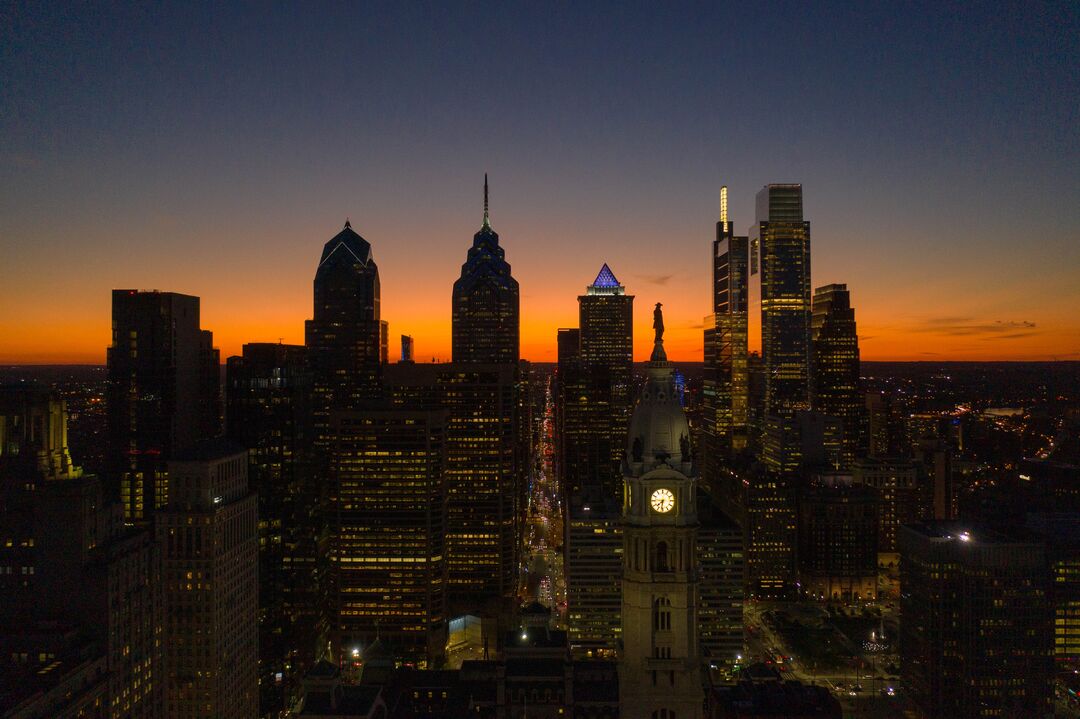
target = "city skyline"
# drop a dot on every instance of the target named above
(215, 163)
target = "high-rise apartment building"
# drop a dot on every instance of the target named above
(388, 523)
(659, 670)
(163, 394)
(834, 385)
(268, 411)
(485, 302)
(975, 640)
(209, 540)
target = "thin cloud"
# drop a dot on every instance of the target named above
(969, 327)
(656, 279)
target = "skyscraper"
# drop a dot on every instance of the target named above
(593, 391)
(484, 474)
(780, 256)
(268, 411)
(344, 336)
(209, 542)
(388, 524)
(726, 371)
(834, 386)
(659, 671)
(782, 240)
(485, 302)
(163, 394)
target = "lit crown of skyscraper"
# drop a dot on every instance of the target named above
(605, 283)
(486, 259)
(347, 243)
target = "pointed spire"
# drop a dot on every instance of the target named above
(348, 225)
(487, 222)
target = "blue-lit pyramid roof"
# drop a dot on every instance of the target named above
(606, 279)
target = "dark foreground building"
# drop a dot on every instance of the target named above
(975, 632)
(163, 395)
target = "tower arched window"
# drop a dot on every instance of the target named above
(662, 614)
(662, 557)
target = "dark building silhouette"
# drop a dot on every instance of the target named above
(975, 635)
(163, 394)
(896, 481)
(344, 337)
(209, 546)
(80, 593)
(33, 450)
(388, 521)
(268, 411)
(838, 539)
(569, 344)
(885, 426)
(485, 302)
(834, 386)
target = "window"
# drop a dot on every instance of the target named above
(662, 614)
(661, 557)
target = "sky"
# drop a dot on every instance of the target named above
(212, 149)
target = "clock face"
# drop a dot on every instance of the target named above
(663, 500)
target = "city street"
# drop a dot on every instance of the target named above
(542, 576)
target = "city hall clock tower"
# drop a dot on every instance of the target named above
(660, 673)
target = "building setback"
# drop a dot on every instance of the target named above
(163, 394)
(835, 365)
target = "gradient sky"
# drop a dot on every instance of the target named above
(213, 150)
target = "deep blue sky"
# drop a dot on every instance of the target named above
(212, 150)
